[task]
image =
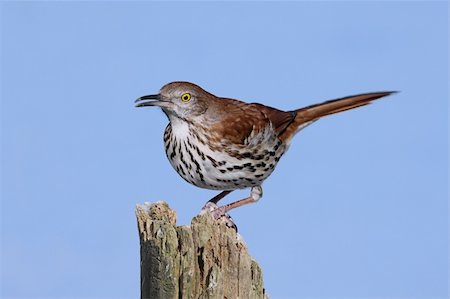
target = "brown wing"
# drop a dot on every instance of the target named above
(242, 120)
(279, 119)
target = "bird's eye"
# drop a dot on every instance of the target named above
(186, 97)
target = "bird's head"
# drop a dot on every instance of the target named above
(183, 100)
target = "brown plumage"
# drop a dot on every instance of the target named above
(226, 144)
(316, 111)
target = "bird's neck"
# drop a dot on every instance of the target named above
(188, 130)
(180, 127)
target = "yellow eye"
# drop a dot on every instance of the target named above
(186, 97)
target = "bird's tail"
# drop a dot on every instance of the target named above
(307, 115)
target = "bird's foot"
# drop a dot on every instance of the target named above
(218, 213)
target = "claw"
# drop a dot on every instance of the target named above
(218, 213)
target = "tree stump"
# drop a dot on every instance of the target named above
(204, 260)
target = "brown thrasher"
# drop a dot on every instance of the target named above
(226, 144)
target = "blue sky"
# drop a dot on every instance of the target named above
(358, 207)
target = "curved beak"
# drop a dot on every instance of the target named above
(150, 100)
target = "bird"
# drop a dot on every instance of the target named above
(226, 144)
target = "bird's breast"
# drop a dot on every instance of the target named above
(219, 165)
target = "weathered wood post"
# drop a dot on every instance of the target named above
(204, 260)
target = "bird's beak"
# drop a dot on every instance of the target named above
(151, 100)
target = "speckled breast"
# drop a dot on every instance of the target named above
(222, 166)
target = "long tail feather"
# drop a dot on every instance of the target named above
(307, 115)
(339, 105)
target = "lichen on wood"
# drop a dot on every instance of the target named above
(207, 259)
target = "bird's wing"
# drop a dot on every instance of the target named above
(245, 123)
(279, 119)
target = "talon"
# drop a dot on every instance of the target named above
(219, 214)
(209, 207)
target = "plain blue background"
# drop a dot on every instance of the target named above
(356, 209)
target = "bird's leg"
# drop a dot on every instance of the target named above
(221, 212)
(211, 205)
(255, 195)
(219, 196)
